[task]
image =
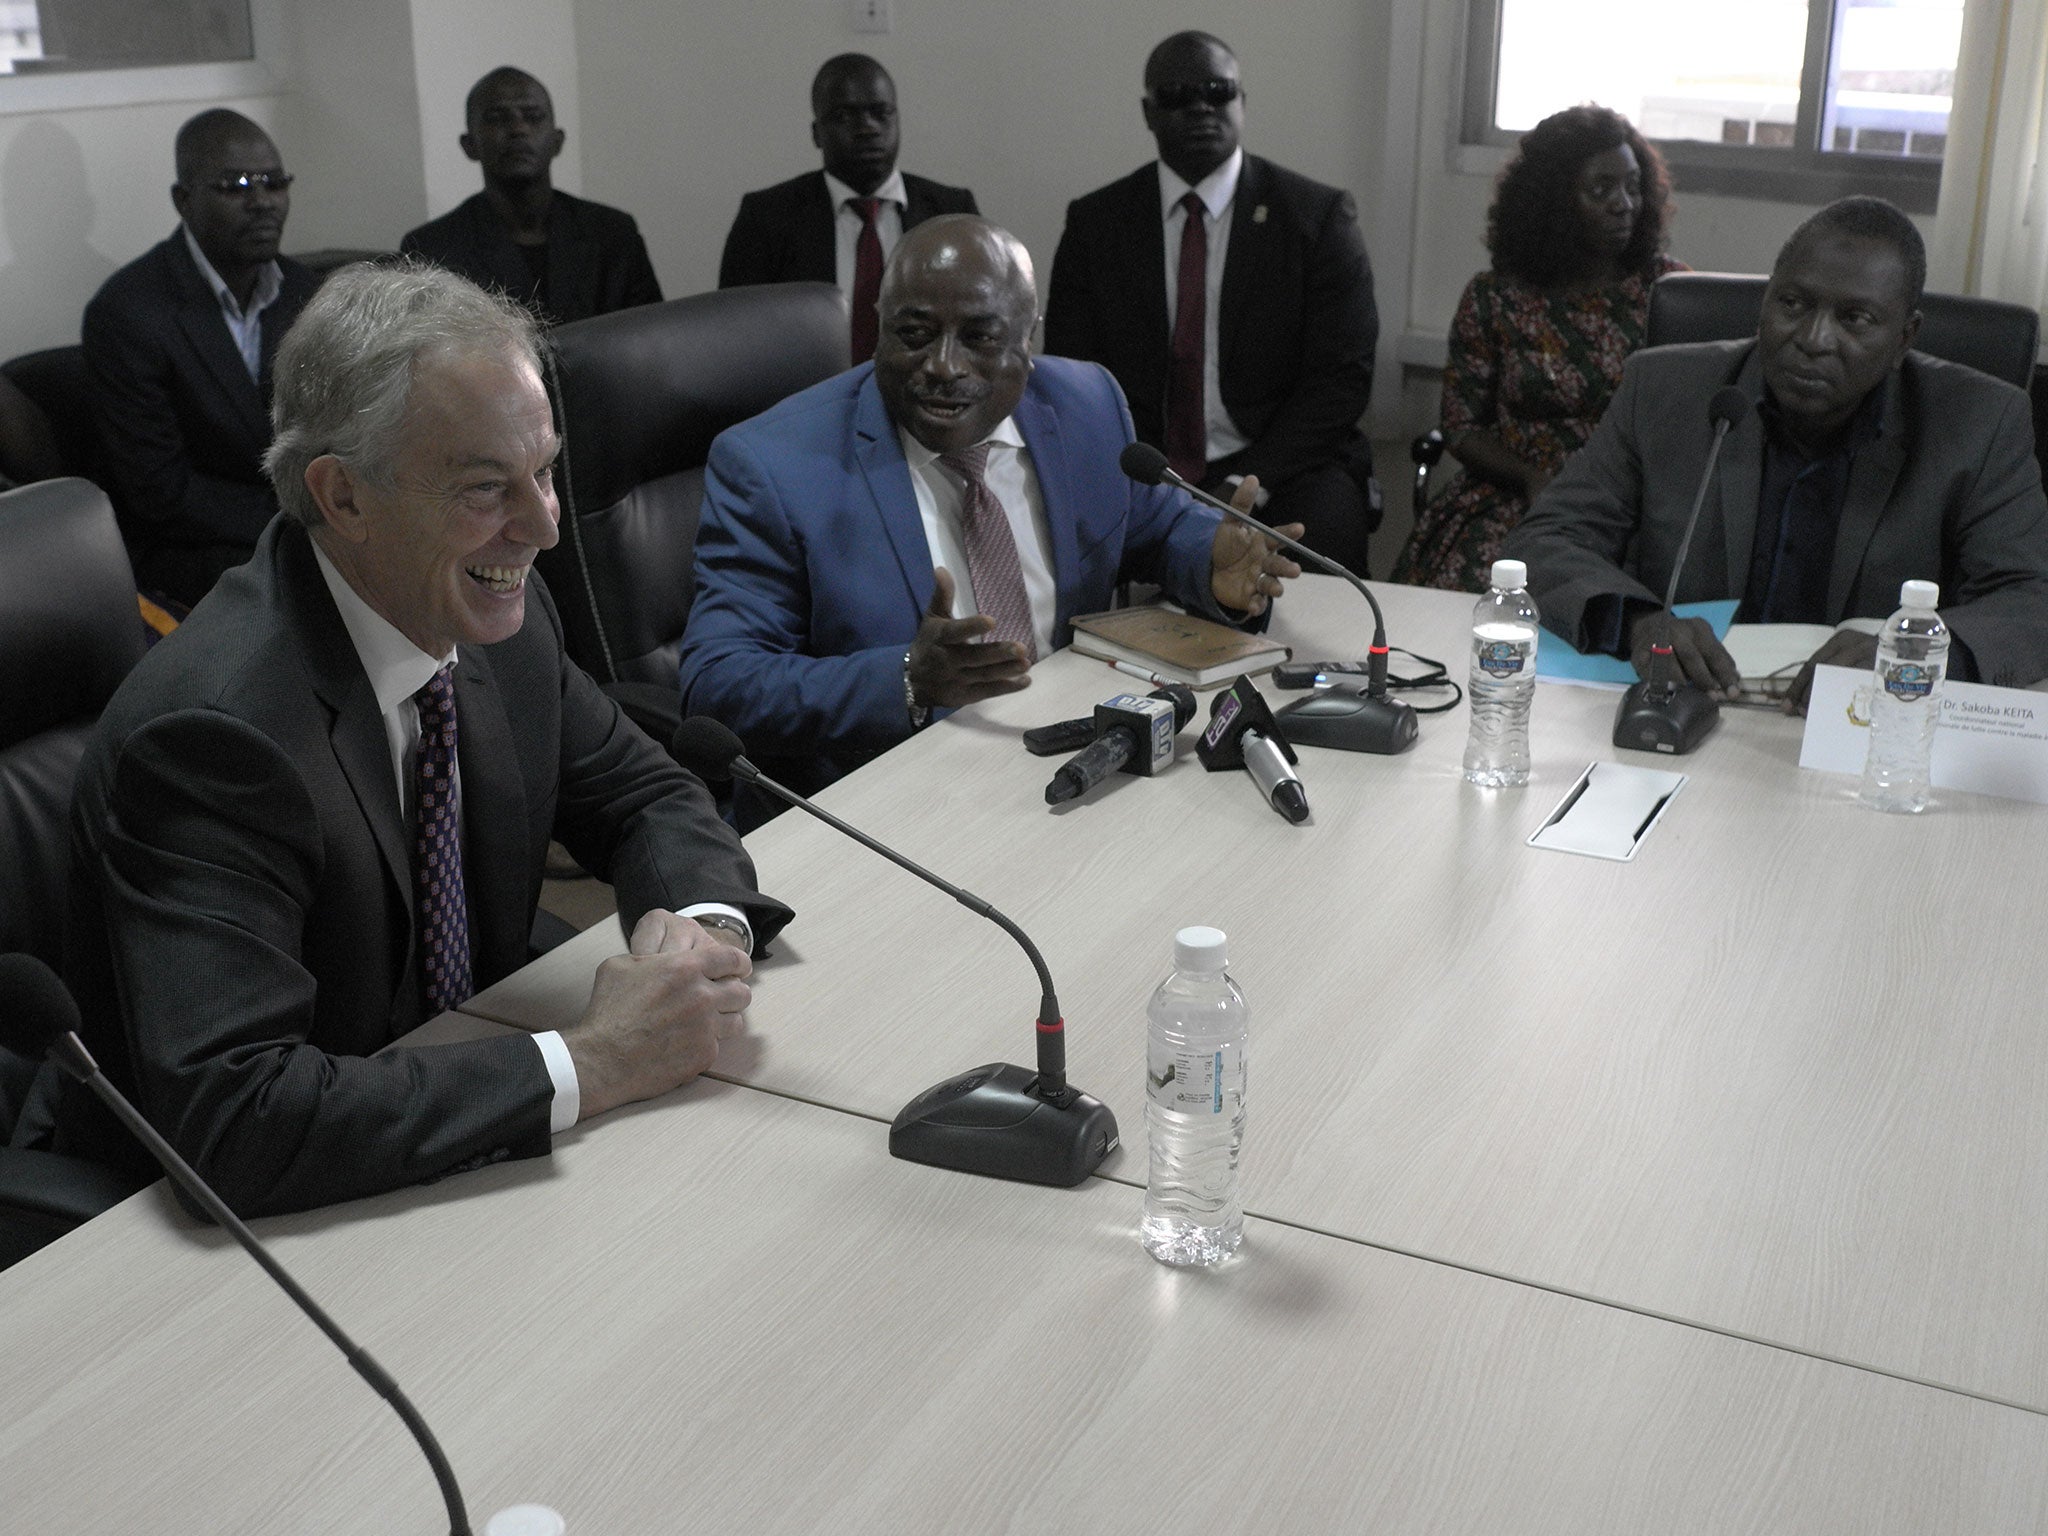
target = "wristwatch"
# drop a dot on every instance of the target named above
(725, 924)
(920, 714)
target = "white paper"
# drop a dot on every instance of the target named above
(1991, 741)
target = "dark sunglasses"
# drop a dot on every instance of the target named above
(238, 186)
(1179, 97)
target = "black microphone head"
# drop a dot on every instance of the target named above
(1143, 463)
(35, 1006)
(1728, 406)
(708, 748)
(1183, 699)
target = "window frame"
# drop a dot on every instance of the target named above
(1801, 173)
(265, 74)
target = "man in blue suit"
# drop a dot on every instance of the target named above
(910, 536)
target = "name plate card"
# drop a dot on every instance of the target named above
(1991, 741)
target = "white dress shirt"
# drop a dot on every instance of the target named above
(846, 223)
(1015, 484)
(244, 325)
(1218, 192)
(397, 670)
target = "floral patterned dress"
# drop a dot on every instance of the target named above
(1536, 370)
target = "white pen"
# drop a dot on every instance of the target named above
(1125, 667)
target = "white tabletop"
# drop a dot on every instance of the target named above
(729, 1312)
(1781, 1076)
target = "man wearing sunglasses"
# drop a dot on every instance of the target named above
(1244, 335)
(179, 343)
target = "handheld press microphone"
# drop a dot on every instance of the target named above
(29, 988)
(1242, 734)
(999, 1120)
(1664, 712)
(1132, 733)
(1368, 720)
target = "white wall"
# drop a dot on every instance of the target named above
(688, 105)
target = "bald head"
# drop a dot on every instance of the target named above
(958, 305)
(504, 77)
(207, 139)
(1181, 49)
(1194, 104)
(853, 121)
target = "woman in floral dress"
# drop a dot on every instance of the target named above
(1577, 235)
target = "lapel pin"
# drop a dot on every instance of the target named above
(1259, 214)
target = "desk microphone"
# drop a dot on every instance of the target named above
(1663, 712)
(999, 1120)
(35, 992)
(1378, 723)
(1131, 733)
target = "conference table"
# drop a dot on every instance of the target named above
(1702, 1192)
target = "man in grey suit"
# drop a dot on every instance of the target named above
(317, 814)
(1863, 464)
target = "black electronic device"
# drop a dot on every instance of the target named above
(1133, 734)
(1000, 1120)
(30, 990)
(1344, 715)
(1060, 739)
(1664, 712)
(1242, 733)
(1381, 724)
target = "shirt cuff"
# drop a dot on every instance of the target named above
(723, 910)
(567, 1105)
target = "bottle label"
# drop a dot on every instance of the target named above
(1501, 658)
(1195, 1082)
(1909, 680)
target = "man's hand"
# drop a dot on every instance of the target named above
(1246, 568)
(1693, 646)
(950, 665)
(657, 1013)
(1844, 648)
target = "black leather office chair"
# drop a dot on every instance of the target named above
(1993, 337)
(56, 380)
(643, 392)
(69, 633)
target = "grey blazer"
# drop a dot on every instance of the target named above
(1950, 491)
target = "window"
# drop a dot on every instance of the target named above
(1797, 99)
(43, 35)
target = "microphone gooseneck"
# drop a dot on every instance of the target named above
(1725, 410)
(39, 995)
(1147, 465)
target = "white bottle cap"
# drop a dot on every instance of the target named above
(1198, 949)
(1920, 594)
(526, 1520)
(1509, 575)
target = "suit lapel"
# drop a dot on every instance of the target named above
(206, 329)
(1145, 252)
(1873, 471)
(494, 866)
(887, 476)
(1246, 256)
(1040, 427)
(816, 253)
(572, 262)
(1741, 475)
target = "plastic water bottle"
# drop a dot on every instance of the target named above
(1503, 680)
(1905, 701)
(1194, 1106)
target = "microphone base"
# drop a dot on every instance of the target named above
(1349, 719)
(992, 1121)
(1671, 718)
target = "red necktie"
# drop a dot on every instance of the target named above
(438, 895)
(867, 278)
(992, 565)
(1187, 427)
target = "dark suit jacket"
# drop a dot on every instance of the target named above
(184, 429)
(783, 233)
(1949, 491)
(597, 261)
(813, 569)
(242, 920)
(1297, 325)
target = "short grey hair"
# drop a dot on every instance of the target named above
(342, 382)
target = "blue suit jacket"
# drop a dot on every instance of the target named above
(813, 570)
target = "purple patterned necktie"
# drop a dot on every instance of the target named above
(438, 894)
(992, 566)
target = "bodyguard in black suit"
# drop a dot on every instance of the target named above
(792, 232)
(563, 257)
(318, 812)
(1290, 322)
(179, 344)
